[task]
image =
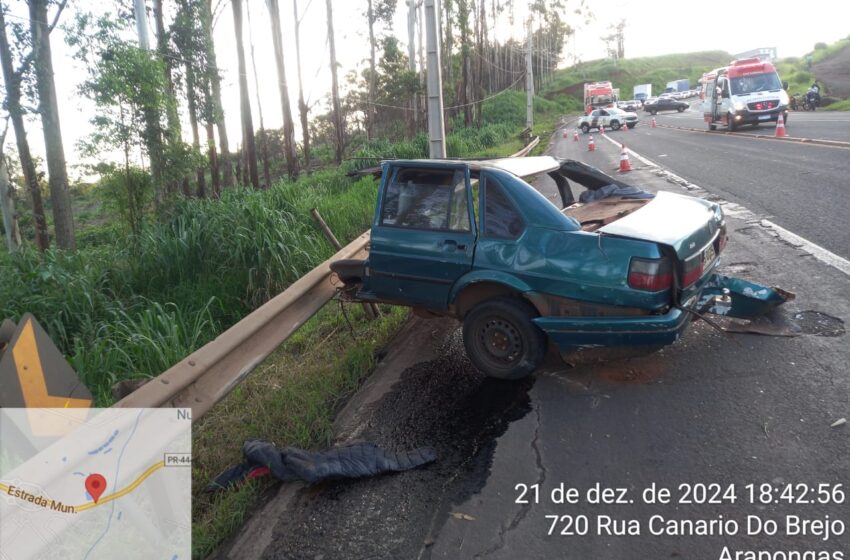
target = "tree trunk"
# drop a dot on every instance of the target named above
(370, 110)
(12, 81)
(337, 109)
(465, 62)
(216, 186)
(7, 207)
(225, 164)
(248, 145)
(60, 196)
(288, 127)
(173, 132)
(201, 190)
(302, 106)
(264, 140)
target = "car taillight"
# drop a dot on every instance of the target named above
(651, 275)
(722, 239)
(693, 270)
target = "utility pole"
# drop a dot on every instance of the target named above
(529, 80)
(411, 58)
(436, 130)
(142, 24)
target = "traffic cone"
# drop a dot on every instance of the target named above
(565, 133)
(653, 122)
(591, 147)
(575, 136)
(625, 128)
(780, 127)
(625, 166)
(602, 129)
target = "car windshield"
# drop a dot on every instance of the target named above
(755, 82)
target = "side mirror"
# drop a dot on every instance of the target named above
(784, 85)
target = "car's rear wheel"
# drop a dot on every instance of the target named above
(501, 340)
(654, 112)
(615, 125)
(585, 128)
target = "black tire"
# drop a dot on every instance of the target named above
(501, 340)
(680, 108)
(631, 125)
(731, 123)
(585, 128)
(653, 112)
(615, 125)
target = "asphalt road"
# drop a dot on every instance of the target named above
(712, 409)
(802, 187)
(828, 125)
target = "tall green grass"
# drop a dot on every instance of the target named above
(135, 307)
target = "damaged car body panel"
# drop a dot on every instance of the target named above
(473, 240)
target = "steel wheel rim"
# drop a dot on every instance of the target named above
(500, 340)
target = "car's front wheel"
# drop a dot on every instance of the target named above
(732, 125)
(631, 125)
(615, 125)
(680, 109)
(585, 128)
(501, 340)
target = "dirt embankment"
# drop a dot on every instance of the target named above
(834, 73)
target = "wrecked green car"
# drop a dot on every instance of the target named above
(474, 241)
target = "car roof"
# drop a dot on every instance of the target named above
(521, 167)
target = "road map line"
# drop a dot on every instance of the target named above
(106, 499)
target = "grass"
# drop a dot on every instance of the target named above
(625, 74)
(292, 399)
(839, 106)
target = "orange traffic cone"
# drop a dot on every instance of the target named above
(602, 129)
(625, 128)
(780, 127)
(575, 136)
(591, 147)
(653, 122)
(565, 133)
(625, 166)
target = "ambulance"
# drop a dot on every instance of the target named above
(748, 91)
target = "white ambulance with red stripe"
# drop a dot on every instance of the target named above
(748, 91)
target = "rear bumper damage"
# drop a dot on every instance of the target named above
(721, 295)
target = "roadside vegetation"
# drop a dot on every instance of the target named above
(626, 73)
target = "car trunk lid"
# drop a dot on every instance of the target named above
(685, 224)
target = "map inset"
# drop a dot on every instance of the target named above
(87, 484)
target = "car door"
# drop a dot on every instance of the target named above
(423, 236)
(604, 118)
(594, 118)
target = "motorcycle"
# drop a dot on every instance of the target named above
(811, 101)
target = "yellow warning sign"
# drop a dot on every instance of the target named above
(34, 373)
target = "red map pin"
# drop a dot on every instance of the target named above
(95, 485)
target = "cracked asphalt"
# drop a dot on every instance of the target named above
(712, 408)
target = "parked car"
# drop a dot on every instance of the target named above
(472, 240)
(631, 105)
(665, 104)
(609, 118)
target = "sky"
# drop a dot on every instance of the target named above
(653, 27)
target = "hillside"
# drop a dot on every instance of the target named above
(626, 73)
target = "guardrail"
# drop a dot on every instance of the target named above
(208, 374)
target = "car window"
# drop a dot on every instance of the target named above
(501, 219)
(427, 199)
(603, 113)
(594, 114)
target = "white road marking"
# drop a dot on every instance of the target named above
(733, 209)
